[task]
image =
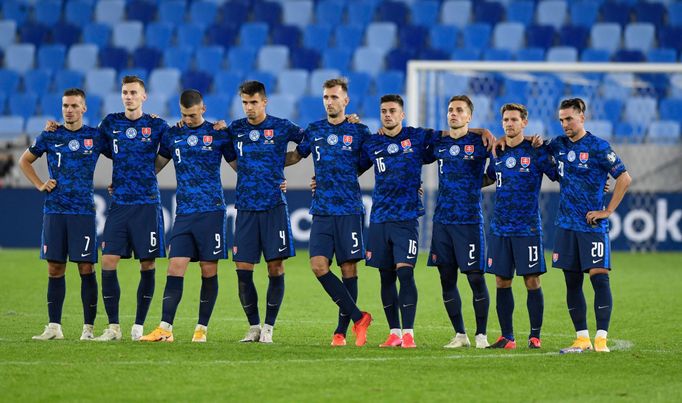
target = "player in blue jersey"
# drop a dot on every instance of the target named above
(581, 245)
(199, 232)
(457, 239)
(69, 229)
(337, 208)
(515, 242)
(392, 244)
(262, 225)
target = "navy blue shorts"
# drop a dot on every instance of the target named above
(523, 253)
(69, 235)
(581, 251)
(340, 235)
(134, 228)
(391, 243)
(266, 231)
(458, 245)
(199, 236)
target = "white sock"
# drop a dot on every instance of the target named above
(267, 328)
(602, 333)
(409, 331)
(397, 332)
(583, 333)
(54, 325)
(166, 326)
(255, 327)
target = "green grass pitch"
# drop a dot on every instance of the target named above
(645, 363)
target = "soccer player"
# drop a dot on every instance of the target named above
(199, 232)
(515, 241)
(457, 239)
(581, 243)
(69, 229)
(337, 207)
(262, 224)
(392, 244)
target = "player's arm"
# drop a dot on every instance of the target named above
(160, 163)
(489, 174)
(486, 136)
(501, 143)
(293, 157)
(26, 164)
(622, 184)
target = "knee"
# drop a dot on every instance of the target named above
(56, 269)
(388, 277)
(275, 268)
(476, 279)
(110, 261)
(85, 268)
(501, 282)
(532, 282)
(573, 280)
(319, 270)
(147, 265)
(349, 270)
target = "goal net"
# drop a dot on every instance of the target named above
(637, 107)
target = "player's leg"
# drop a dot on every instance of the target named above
(115, 244)
(379, 254)
(82, 233)
(207, 298)
(405, 238)
(246, 253)
(598, 263)
(88, 298)
(505, 313)
(470, 252)
(529, 258)
(172, 294)
(535, 303)
(273, 298)
(54, 250)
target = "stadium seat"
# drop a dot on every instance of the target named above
(209, 59)
(20, 57)
(16, 10)
(370, 107)
(454, 82)
(268, 79)
(535, 126)
(97, 34)
(564, 54)
(521, 11)
(100, 81)
(135, 71)
(669, 37)
(227, 82)
(66, 33)
(652, 13)
(509, 36)
(412, 37)
(218, 106)
(156, 104)
(37, 81)
(141, 10)
(627, 132)
(165, 81)
(664, 131)
(476, 36)
(530, 54)
(392, 11)
(337, 58)
(425, 13)
(23, 104)
(11, 126)
(224, 35)
(600, 128)
(618, 85)
(317, 79)
(359, 12)
(488, 12)
(359, 84)
(36, 124)
(111, 103)
(233, 12)
(551, 12)
(639, 36)
(397, 59)
(116, 58)
(9, 82)
(500, 55)
(381, 35)
(64, 79)
(34, 33)
(606, 36)
(294, 82)
(269, 12)
(203, 13)
(51, 57)
(109, 12)
(443, 37)
(302, 58)
(297, 12)
(51, 103)
(273, 58)
(575, 36)
(190, 35)
(287, 35)
(177, 58)
(172, 11)
(614, 12)
(584, 13)
(661, 55)
(310, 109)
(640, 110)
(675, 14)
(368, 60)
(427, 53)
(241, 59)
(127, 35)
(253, 34)
(48, 12)
(540, 36)
(8, 32)
(316, 37)
(456, 12)
(78, 12)
(482, 109)
(595, 55)
(158, 35)
(467, 54)
(147, 58)
(629, 56)
(282, 105)
(197, 80)
(348, 36)
(671, 109)
(390, 82)
(329, 12)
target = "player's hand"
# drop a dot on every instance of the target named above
(353, 118)
(536, 140)
(313, 184)
(154, 115)
(180, 124)
(219, 125)
(381, 131)
(110, 189)
(421, 191)
(607, 189)
(488, 139)
(283, 186)
(51, 125)
(48, 186)
(593, 217)
(499, 143)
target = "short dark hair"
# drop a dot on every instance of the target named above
(190, 98)
(575, 103)
(333, 82)
(252, 88)
(392, 98)
(133, 79)
(465, 99)
(515, 107)
(77, 92)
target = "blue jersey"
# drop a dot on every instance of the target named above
(461, 165)
(133, 144)
(260, 151)
(517, 172)
(583, 168)
(71, 160)
(397, 171)
(337, 151)
(196, 154)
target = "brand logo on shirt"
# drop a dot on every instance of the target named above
(406, 144)
(584, 157)
(332, 139)
(146, 131)
(611, 157)
(269, 134)
(347, 140)
(192, 140)
(525, 162)
(510, 162)
(393, 148)
(87, 143)
(254, 135)
(454, 150)
(571, 156)
(131, 133)
(74, 145)
(207, 140)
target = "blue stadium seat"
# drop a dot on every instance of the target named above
(551, 12)
(223, 34)
(608, 109)
(156, 104)
(390, 82)
(173, 107)
(627, 132)
(316, 37)
(392, 11)
(348, 36)
(359, 13)
(540, 36)
(483, 111)
(127, 35)
(51, 103)
(531, 54)
(110, 12)
(8, 31)
(287, 35)
(359, 84)
(16, 10)
(330, 12)
(454, 82)
(381, 35)
(425, 13)
(37, 81)
(443, 37)
(100, 81)
(9, 82)
(64, 79)
(234, 12)
(310, 109)
(209, 59)
(269, 12)
(294, 82)
(23, 104)
(675, 14)
(564, 54)
(397, 59)
(370, 107)
(236, 111)
(509, 36)
(164, 81)
(595, 55)
(111, 103)
(601, 128)
(669, 37)
(227, 82)
(664, 131)
(147, 58)
(317, 79)
(218, 106)
(268, 79)
(456, 12)
(368, 60)
(97, 34)
(466, 54)
(521, 11)
(253, 34)
(141, 10)
(640, 110)
(51, 57)
(671, 109)
(488, 12)
(94, 113)
(11, 126)
(78, 12)
(172, 11)
(652, 13)
(661, 55)
(302, 58)
(606, 36)
(203, 13)
(48, 12)
(412, 37)
(639, 36)
(66, 33)
(34, 33)
(501, 55)
(427, 53)
(575, 36)
(158, 35)
(282, 105)
(36, 124)
(476, 36)
(135, 71)
(618, 85)
(116, 58)
(177, 58)
(20, 57)
(241, 59)
(191, 35)
(629, 56)
(337, 58)
(273, 58)
(584, 13)
(297, 12)
(534, 126)
(618, 13)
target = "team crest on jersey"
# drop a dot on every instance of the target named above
(510, 162)
(407, 146)
(454, 150)
(555, 257)
(525, 162)
(207, 140)
(584, 157)
(131, 133)
(490, 262)
(469, 149)
(611, 157)
(393, 148)
(192, 140)
(87, 143)
(254, 135)
(347, 140)
(146, 131)
(268, 134)
(74, 145)
(332, 139)
(571, 156)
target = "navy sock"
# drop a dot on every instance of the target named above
(389, 298)
(172, 295)
(575, 299)
(56, 291)
(505, 312)
(481, 300)
(145, 292)
(274, 298)
(408, 296)
(351, 285)
(536, 306)
(603, 302)
(339, 294)
(111, 294)
(451, 298)
(89, 297)
(207, 298)
(248, 296)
